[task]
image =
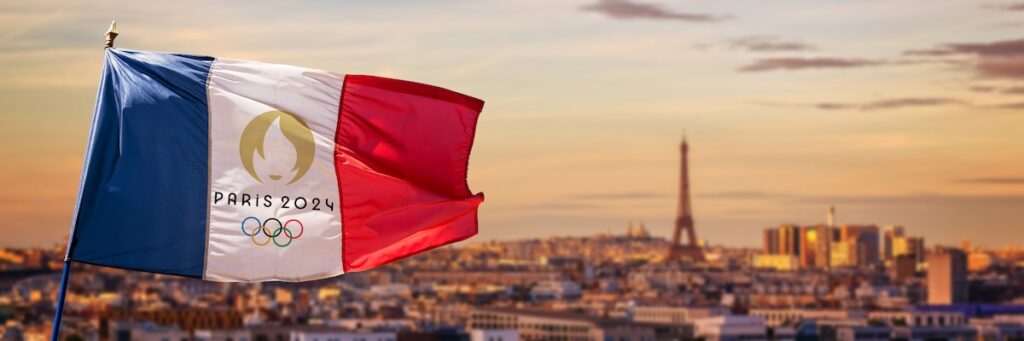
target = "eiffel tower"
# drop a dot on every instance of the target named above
(684, 219)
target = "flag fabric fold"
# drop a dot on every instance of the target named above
(232, 170)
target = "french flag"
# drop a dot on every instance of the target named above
(232, 170)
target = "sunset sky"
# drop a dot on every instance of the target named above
(897, 112)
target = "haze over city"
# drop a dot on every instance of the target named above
(896, 119)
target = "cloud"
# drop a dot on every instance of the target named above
(891, 103)
(1009, 106)
(1001, 68)
(625, 9)
(773, 64)
(883, 200)
(620, 196)
(743, 195)
(1005, 48)
(923, 199)
(554, 206)
(983, 88)
(998, 59)
(768, 44)
(896, 103)
(909, 102)
(1010, 7)
(1009, 90)
(589, 201)
(993, 180)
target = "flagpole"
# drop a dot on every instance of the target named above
(55, 333)
(59, 313)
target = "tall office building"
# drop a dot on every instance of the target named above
(781, 248)
(782, 240)
(902, 268)
(815, 246)
(909, 246)
(947, 277)
(789, 240)
(863, 241)
(843, 254)
(891, 233)
(771, 241)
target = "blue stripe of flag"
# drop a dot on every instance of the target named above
(143, 200)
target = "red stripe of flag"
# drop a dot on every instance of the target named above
(401, 155)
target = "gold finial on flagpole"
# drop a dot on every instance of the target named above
(111, 34)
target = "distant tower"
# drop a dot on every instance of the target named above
(684, 218)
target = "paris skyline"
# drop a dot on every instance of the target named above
(789, 109)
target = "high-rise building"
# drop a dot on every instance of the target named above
(947, 277)
(902, 267)
(909, 246)
(771, 241)
(863, 240)
(815, 246)
(843, 254)
(891, 233)
(782, 240)
(789, 240)
(684, 217)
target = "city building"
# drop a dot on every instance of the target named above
(863, 333)
(889, 236)
(223, 335)
(776, 262)
(919, 318)
(779, 317)
(675, 315)
(902, 268)
(341, 335)
(556, 290)
(909, 246)
(535, 324)
(979, 261)
(815, 246)
(187, 320)
(730, 327)
(782, 240)
(926, 325)
(947, 277)
(597, 287)
(843, 254)
(125, 330)
(770, 239)
(494, 276)
(640, 232)
(863, 242)
(493, 335)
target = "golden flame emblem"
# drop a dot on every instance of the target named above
(295, 131)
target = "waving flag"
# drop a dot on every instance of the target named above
(232, 170)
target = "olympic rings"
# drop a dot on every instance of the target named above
(271, 233)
